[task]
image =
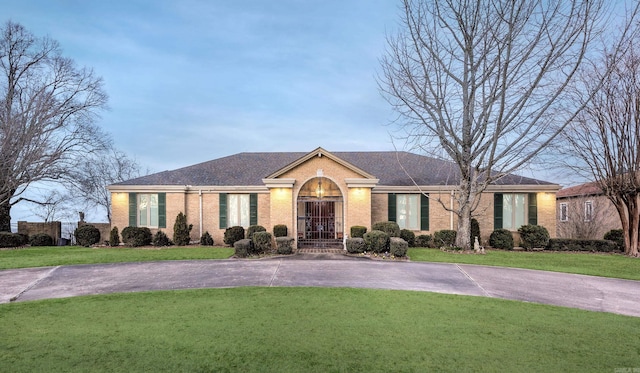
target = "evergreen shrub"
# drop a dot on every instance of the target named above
(160, 239)
(617, 236)
(242, 247)
(206, 239)
(87, 235)
(475, 231)
(408, 236)
(445, 238)
(568, 244)
(358, 231)
(280, 230)
(376, 241)
(389, 227)
(501, 239)
(533, 236)
(398, 247)
(233, 234)
(114, 237)
(261, 242)
(182, 230)
(253, 229)
(423, 240)
(8, 239)
(41, 239)
(136, 236)
(284, 245)
(356, 245)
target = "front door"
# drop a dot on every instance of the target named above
(320, 220)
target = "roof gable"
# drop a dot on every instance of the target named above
(319, 152)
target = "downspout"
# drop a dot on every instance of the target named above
(200, 200)
(451, 213)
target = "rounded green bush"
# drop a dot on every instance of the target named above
(398, 246)
(136, 236)
(254, 229)
(501, 239)
(41, 239)
(233, 234)
(389, 227)
(423, 240)
(284, 245)
(261, 242)
(358, 231)
(280, 230)
(160, 239)
(617, 236)
(206, 239)
(242, 248)
(408, 236)
(8, 239)
(377, 241)
(533, 236)
(356, 245)
(87, 235)
(445, 238)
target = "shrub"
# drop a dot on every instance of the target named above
(261, 242)
(423, 240)
(182, 231)
(87, 235)
(206, 239)
(233, 234)
(533, 236)
(242, 247)
(356, 245)
(445, 238)
(389, 227)
(8, 239)
(160, 239)
(475, 231)
(617, 236)
(568, 244)
(284, 245)
(408, 236)
(114, 237)
(136, 236)
(398, 246)
(254, 229)
(23, 238)
(376, 241)
(501, 239)
(41, 239)
(358, 231)
(280, 230)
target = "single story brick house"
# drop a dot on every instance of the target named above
(584, 212)
(320, 195)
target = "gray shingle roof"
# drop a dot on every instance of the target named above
(246, 169)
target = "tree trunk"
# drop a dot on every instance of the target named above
(464, 228)
(5, 217)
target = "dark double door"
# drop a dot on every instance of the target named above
(320, 220)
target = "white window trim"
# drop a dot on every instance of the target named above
(564, 216)
(588, 211)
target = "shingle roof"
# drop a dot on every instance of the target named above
(587, 189)
(247, 169)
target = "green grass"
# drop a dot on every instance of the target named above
(67, 255)
(310, 330)
(605, 265)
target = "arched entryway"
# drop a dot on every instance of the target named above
(320, 212)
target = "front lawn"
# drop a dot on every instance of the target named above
(68, 255)
(605, 265)
(310, 330)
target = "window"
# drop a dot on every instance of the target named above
(147, 210)
(408, 211)
(588, 210)
(564, 216)
(238, 210)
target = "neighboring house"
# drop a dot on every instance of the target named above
(320, 195)
(585, 212)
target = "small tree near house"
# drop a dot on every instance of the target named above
(182, 231)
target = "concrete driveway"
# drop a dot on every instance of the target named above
(578, 291)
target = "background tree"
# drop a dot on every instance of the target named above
(603, 142)
(48, 107)
(486, 82)
(92, 175)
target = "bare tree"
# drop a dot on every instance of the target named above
(586, 217)
(603, 142)
(47, 112)
(53, 205)
(486, 82)
(95, 173)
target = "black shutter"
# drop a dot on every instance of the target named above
(424, 212)
(497, 211)
(253, 209)
(533, 208)
(391, 207)
(133, 210)
(162, 210)
(223, 210)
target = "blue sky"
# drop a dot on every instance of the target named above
(194, 80)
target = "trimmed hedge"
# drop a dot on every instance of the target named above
(569, 244)
(233, 234)
(408, 236)
(253, 229)
(398, 247)
(423, 240)
(284, 245)
(87, 235)
(389, 227)
(358, 231)
(160, 239)
(533, 236)
(617, 236)
(114, 237)
(206, 239)
(501, 239)
(280, 230)
(8, 239)
(41, 239)
(136, 236)
(261, 242)
(242, 247)
(356, 245)
(445, 238)
(376, 241)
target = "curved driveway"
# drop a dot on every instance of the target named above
(578, 291)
